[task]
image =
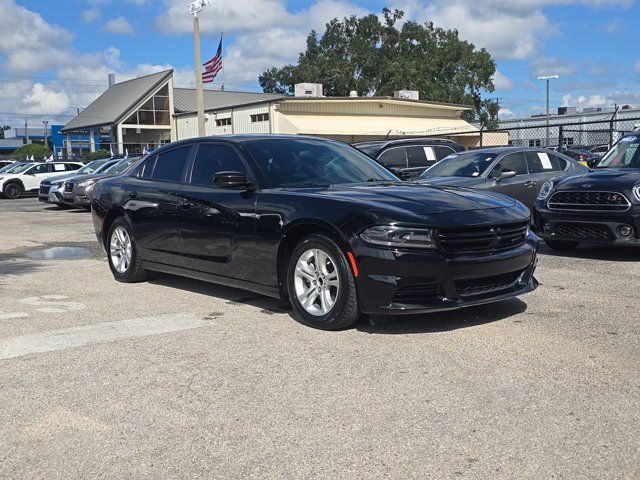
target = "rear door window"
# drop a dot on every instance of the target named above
(71, 167)
(394, 157)
(442, 152)
(212, 159)
(169, 166)
(542, 162)
(514, 162)
(420, 156)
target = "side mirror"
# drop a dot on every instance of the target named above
(230, 179)
(504, 175)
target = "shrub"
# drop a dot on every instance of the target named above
(98, 154)
(38, 151)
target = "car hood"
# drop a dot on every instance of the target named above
(603, 179)
(471, 182)
(58, 178)
(90, 176)
(415, 198)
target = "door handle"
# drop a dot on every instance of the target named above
(530, 184)
(132, 195)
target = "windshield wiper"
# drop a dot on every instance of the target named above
(306, 185)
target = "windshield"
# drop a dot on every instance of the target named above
(468, 164)
(625, 154)
(18, 168)
(91, 167)
(308, 163)
(120, 166)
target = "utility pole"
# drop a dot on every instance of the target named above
(26, 132)
(46, 129)
(194, 9)
(548, 78)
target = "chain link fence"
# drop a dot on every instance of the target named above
(577, 134)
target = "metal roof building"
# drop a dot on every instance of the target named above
(149, 111)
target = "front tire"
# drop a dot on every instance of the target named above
(320, 285)
(561, 245)
(122, 253)
(13, 190)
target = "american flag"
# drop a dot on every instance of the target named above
(213, 66)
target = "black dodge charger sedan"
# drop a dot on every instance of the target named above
(316, 222)
(601, 206)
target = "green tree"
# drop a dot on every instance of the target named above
(38, 151)
(3, 128)
(377, 57)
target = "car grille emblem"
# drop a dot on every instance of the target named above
(613, 198)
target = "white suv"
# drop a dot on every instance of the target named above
(28, 178)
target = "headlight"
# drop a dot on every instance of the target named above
(636, 192)
(545, 191)
(394, 236)
(86, 183)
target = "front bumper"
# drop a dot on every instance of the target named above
(406, 282)
(80, 196)
(601, 228)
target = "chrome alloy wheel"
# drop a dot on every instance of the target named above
(120, 250)
(316, 282)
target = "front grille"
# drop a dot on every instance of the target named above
(583, 231)
(483, 239)
(598, 201)
(68, 187)
(44, 189)
(417, 293)
(481, 286)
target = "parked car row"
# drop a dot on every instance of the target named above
(72, 190)
(324, 226)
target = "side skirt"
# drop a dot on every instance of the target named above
(211, 278)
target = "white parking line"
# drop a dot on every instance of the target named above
(75, 337)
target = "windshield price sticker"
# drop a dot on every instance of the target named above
(630, 138)
(546, 162)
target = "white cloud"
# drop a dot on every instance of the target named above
(552, 66)
(638, 66)
(506, 114)
(40, 100)
(502, 82)
(119, 26)
(612, 27)
(90, 15)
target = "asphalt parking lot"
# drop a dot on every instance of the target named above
(178, 378)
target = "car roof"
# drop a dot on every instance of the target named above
(500, 150)
(404, 141)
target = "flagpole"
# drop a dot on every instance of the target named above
(224, 77)
(194, 8)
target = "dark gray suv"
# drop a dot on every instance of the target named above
(515, 171)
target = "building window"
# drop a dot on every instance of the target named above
(223, 122)
(260, 117)
(535, 143)
(155, 111)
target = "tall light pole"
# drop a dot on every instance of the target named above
(46, 129)
(194, 9)
(548, 78)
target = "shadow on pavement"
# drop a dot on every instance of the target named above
(431, 323)
(444, 321)
(590, 252)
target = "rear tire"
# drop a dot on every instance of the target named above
(122, 253)
(13, 190)
(561, 245)
(321, 286)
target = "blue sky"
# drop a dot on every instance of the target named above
(55, 56)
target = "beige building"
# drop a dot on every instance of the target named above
(150, 111)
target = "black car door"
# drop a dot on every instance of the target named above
(217, 225)
(152, 204)
(521, 187)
